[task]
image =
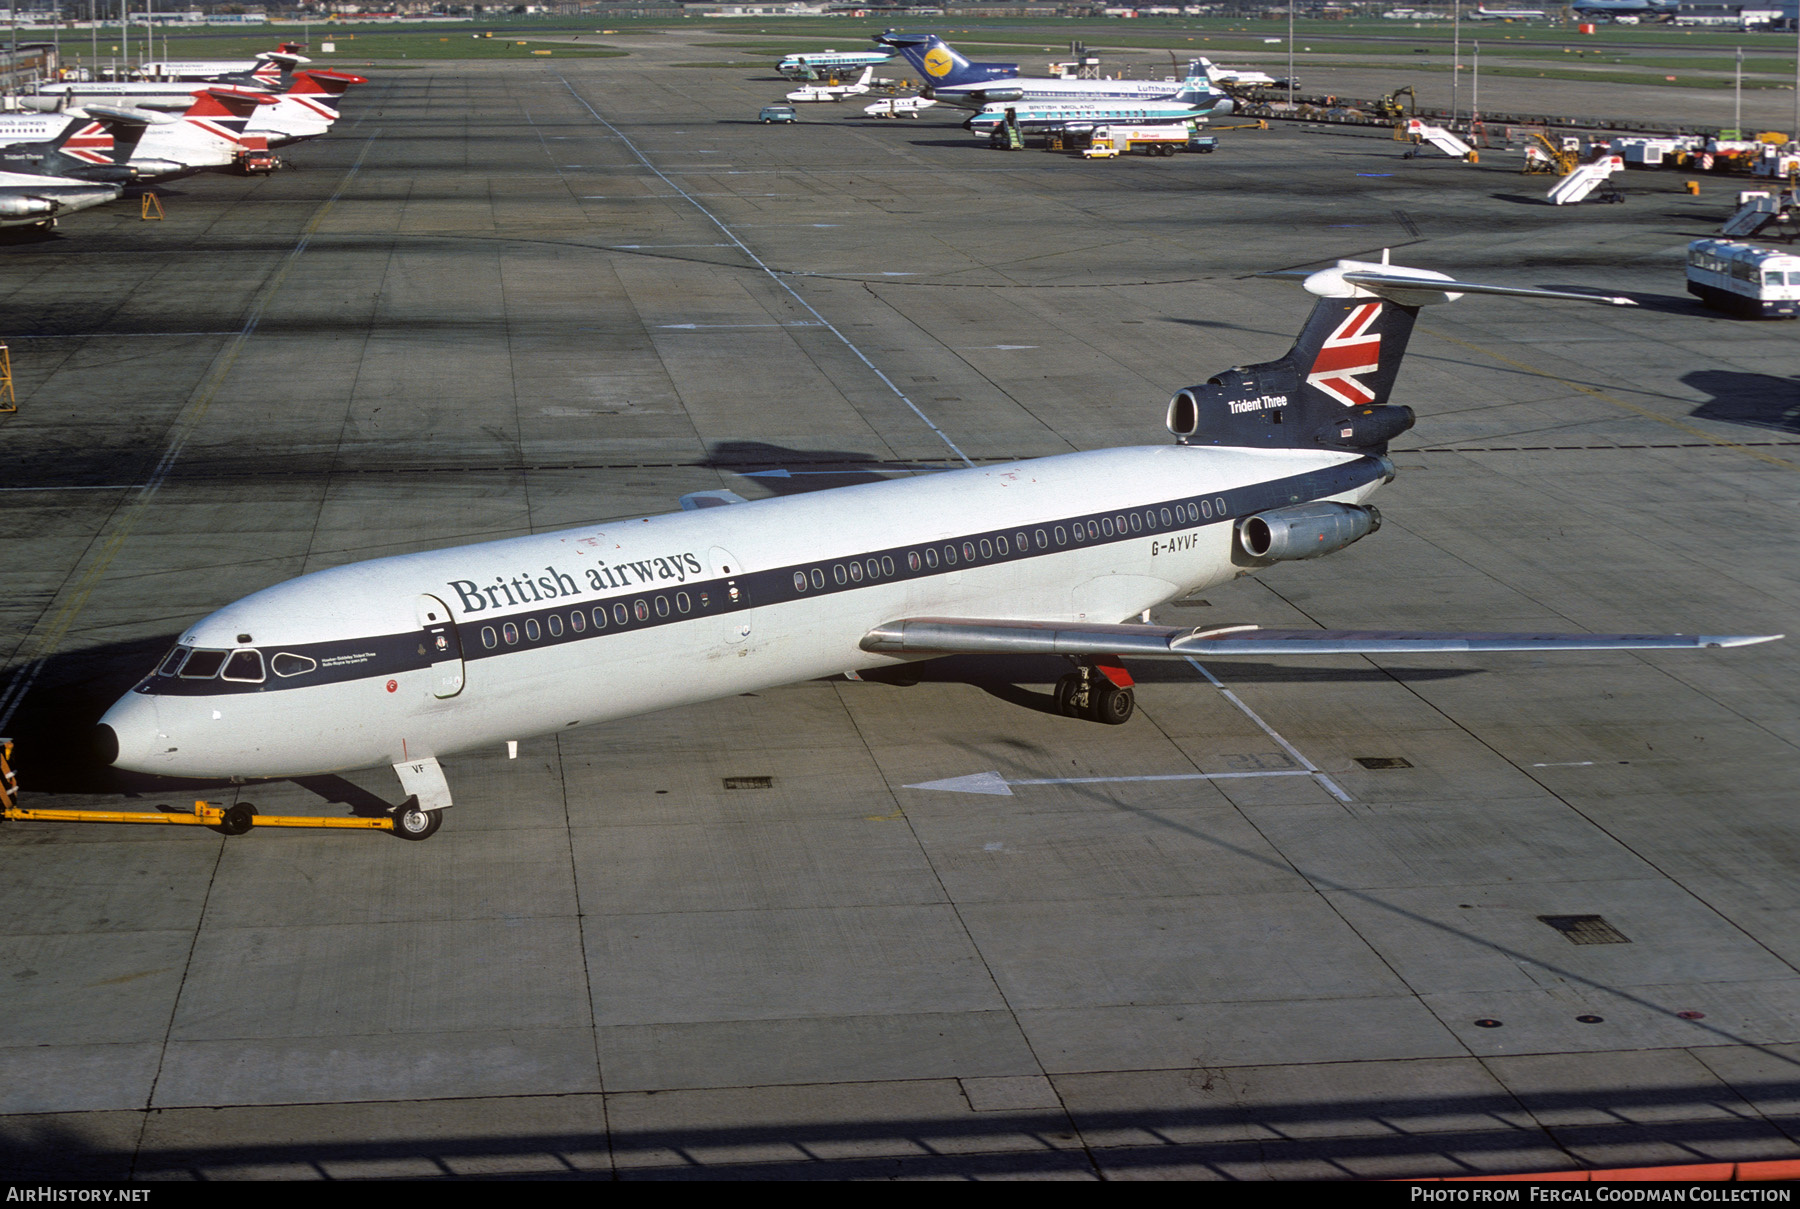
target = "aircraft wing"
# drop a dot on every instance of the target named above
(983, 636)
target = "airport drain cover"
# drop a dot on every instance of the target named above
(749, 782)
(1586, 930)
(1384, 761)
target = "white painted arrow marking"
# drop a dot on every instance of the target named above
(994, 783)
(695, 327)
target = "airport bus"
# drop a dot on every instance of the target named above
(1743, 278)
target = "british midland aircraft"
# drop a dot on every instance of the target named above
(409, 659)
(1508, 14)
(1038, 117)
(811, 65)
(833, 92)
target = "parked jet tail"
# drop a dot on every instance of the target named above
(223, 112)
(939, 63)
(322, 91)
(1331, 389)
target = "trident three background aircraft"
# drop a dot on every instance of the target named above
(406, 660)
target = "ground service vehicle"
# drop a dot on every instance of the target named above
(777, 113)
(1760, 283)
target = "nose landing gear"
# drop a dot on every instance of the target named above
(1099, 692)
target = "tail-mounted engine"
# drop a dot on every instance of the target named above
(1304, 530)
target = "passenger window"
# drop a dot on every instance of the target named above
(931, 558)
(244, 666)
(1219, 504)
(856, 572)
(620, 614)
(682, 603)
(799, 581)
(662, 606)
(203, 665)
(578, 621)
(173, 662)
(599, 617)
(553, 623)
(949, 556)
(887, 565)
(837, 573)
(874, 569)
(641, 609)
(1093, 529)
(818, 578)
(531, 629)
(286, 664)
(987, 550)
(1079, 533)
(969, 552)
(912, 560)
(488, 640)
(1119, 524)
(1205, 509)
(1000, 545)
(1059, 535)
(510, 632)
(1167, 520)
(1135, 526)
(1106, 526)
(1043, 542)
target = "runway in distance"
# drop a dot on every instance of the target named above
(409, 659)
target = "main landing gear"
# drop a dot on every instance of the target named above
(1099, 692)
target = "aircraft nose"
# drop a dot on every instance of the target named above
(129, 734)
(106, 743)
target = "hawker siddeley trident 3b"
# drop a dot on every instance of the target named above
(407, 660)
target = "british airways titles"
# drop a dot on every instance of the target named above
(555, 584)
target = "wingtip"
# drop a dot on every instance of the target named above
(1724, 640)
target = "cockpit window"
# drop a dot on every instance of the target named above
(286, 664)
(173, 662)
(245, 666)
(203, 665)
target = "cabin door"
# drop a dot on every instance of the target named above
(734, 593)
(442, 645)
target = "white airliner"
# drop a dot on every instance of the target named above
(1237, 77)
(268, 66)
(812, 65)
(29, 200)
(899, 107)
(406, 660)
(833, 92)
(1509, 14)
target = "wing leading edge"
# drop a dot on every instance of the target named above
(986, 636)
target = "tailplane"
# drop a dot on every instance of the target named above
(1331, 389)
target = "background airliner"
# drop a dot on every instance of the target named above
(953, 79)
(811, 65)
(406, 660)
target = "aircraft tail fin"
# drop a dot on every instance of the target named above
(1331, 389)
(941, 64)
(223, 113)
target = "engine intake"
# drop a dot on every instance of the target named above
(1305, 530)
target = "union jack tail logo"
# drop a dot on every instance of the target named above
(1349, 352)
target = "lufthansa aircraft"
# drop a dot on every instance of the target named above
(407, 660)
